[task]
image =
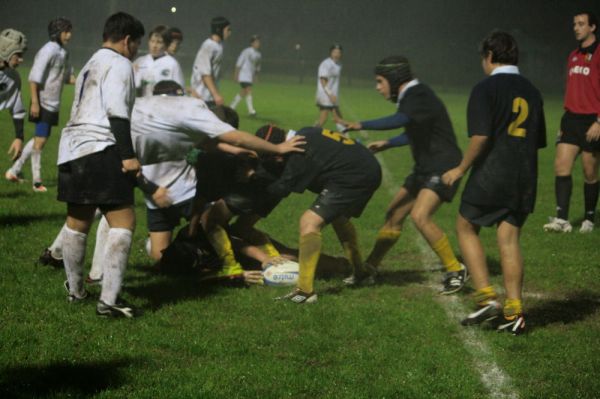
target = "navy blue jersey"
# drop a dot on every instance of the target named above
(432, 139)
(330, 160)
(507, 109)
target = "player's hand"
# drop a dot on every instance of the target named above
(272, 261)
(333, 99)
(131, 165)
(218, 99)
(34, 110)
(452, 176)
(16, 148)
(253, 277)
(377, 146)
(293, 145)
(593, 133)
(161, 197)
(351, 125)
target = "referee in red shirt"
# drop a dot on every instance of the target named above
(579, 126)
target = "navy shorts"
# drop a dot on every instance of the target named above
(416, 182)
(573, 128)
(243, 85)
(166, 219)
(491, 215)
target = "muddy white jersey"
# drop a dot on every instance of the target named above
(331, 71)
(105, 88)
(149, 71)
(207, 62)
(249, 64)
(10, 93)
(163, 130)
(50, 71)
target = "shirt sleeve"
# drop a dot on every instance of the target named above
(240, 60)
(117, 93)
(40, 65)
(324, 71)
(137, 73)
(394, 121)
(201, 66)
(178, 75)
(479, 113)
(202, 122)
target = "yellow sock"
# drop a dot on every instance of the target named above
(386, 238)
(512, 308)
(443, 249)
(309, 252)
(484, 295)
(270, 250)
(219, 239)
(346, 233)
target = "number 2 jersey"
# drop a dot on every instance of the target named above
(330, 161)
(507, 109)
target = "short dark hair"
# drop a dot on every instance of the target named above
(502, 46)
(592, 18)
(272, 134)
(167, 88)
(120, 25)
(175, 34)
(227, 115)
(254, 38)
(161, 30)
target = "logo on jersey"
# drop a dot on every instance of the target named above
(588, 57)
(579, 70)
(164, 72)
(574, 59)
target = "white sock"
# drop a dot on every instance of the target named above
(56, 247)
(99, 249)
(118, 244)
(18, 165)
(236, 101)
(340, 127)
(249, 104)
(36, 166)
(73, 256)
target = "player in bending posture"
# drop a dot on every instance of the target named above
(50, 71)
(97, 165)
(435, 151)
(345, 175)
(328, 87)
(579, 127)
(157, 65)
(505, 121)
(247, 68)
(12, 46)
(207, 65)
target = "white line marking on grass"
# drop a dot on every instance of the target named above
(496, 381)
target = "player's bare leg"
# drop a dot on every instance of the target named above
(244, 229)
(511, 259)
(346, 233)
(249, 103)
(338, 119)
(311, 225)
(323, 114)
(159, 241)
(389, 233)
(472, 252)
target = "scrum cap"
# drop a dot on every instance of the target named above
(396, 70)
(11, 42)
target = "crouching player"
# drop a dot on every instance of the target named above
(435, 151)
(345, 175)
(506, 127)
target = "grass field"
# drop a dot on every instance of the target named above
(398, 339)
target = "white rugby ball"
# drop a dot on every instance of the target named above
(282, 274)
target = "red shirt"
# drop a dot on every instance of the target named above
(583, 81)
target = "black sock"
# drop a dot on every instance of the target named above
(590, 195)
(563, 185)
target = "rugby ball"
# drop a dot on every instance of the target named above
(282, 274)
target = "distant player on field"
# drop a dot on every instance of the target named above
(247, 68)
(345, 175)
(157, 65)
(505, 121)
(207, 65)
(12, 46)
(579, 127)
(50, 71)
(435, 151)
(328, 87)
(97, 165)
(175, 36)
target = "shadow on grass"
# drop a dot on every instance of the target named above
(9, 220)
(575, 307)
(15, 194)
(401, 277)
(77, 379)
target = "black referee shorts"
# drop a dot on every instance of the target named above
(96, 179)
(573, 128)
(487, 216)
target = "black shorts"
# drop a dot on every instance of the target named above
(96, 179)
(246, 200)
(243, 85)
(335, 108)
(166, 219)
(573, 128)
(334, 202)
(416, 182)
(45, 116)
(487, 216)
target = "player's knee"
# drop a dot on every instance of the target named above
(420, 218)
(562, 166)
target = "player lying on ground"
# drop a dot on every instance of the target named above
(345, 175)
(435, 151)
(12, 46)
(505, 120)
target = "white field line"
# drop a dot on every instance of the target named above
(496, 381)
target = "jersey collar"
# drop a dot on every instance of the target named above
(589, 49)
(513, 69)
(410, 84)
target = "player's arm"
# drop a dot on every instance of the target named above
(323, 80)
(382, 145)
(233, 150)
(251, 142)
(34, 110)
(18, 116)
(121, 129)
(209, 82)
(593, 133)
(477, 144)
(394, 121)
(160, 195)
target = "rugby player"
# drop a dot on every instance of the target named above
(505, 121)
(247, 68)
(328, 87)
